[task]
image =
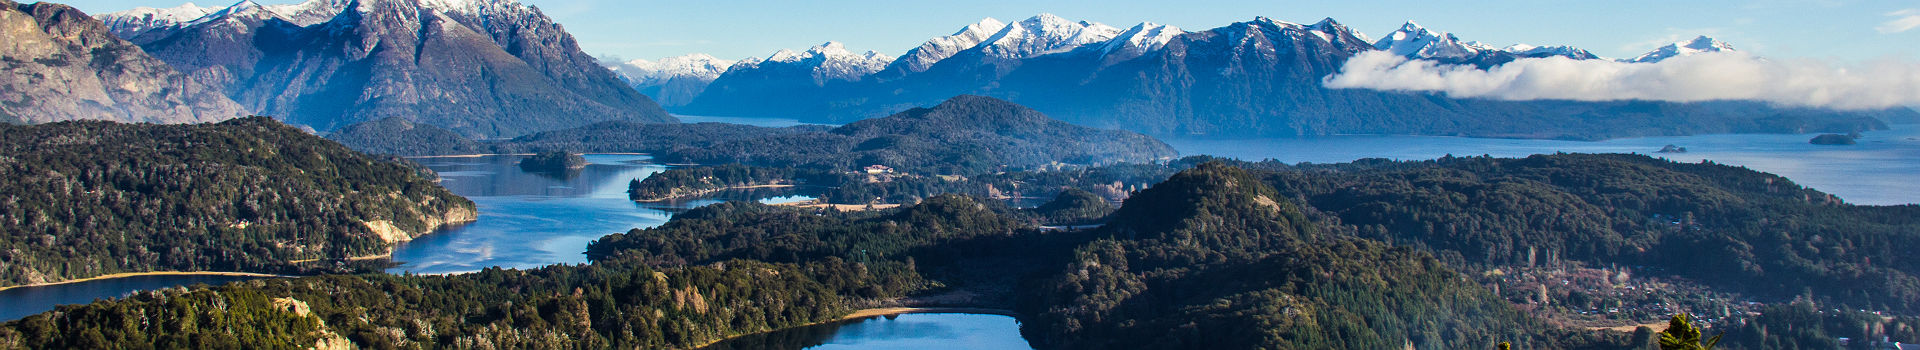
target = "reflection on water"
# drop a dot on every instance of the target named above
(23, 302)
(1883, 169)
(910, 331)
(529, 219)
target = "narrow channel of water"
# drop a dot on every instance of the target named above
(932, 331)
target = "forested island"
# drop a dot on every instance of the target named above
(1438, 254)
(93, 198)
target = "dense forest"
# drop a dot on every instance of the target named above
(397, 136)
(87, 199)
(1725, 226)
(966, 135)
(605, 305)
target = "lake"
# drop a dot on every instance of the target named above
(910, 331)
(1884, 169)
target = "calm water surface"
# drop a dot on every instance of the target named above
(529, 219)
(910, 331)
(1883, 169)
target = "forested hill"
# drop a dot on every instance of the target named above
(1214, 259)
(965, 135)
(95, 198)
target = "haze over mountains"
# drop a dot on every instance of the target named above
(1257, 78)
(481, 68)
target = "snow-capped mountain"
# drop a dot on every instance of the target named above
(1414, 41)
(310, 12)
(1524, 50)
(130, 24)
(1699, 45)
(1044, 34)
(698, 66)
(920, 58)
(672, 81)
(1139, 40)
(827, 62)
(494, 68)
(127, 23)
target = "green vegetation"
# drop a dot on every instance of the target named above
(1220, 254)
(678, 183)
(967, 135)
(1681, 335)
(86, 199)
(553, 162)
(1074, 207)
(606, 305)
(400, 136)
(1726, 227)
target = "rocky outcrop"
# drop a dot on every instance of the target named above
(64, 65)
(395, 234)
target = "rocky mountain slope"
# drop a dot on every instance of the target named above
(483, 69)
(64, 65)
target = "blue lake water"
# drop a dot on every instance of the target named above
(1883, 169)
(530, 219)
(911, 331)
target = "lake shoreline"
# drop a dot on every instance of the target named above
(153, 273)
(876, 312)
(478, 155)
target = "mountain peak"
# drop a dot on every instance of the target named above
(1139, 40)
(1415, 41)
(1044, 34)
(127, 24)
(1698, 45)
(919, 59)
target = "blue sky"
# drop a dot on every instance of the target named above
(1831, 29)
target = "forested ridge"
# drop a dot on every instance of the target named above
(607, 305)
(92, 198)
(966, 135)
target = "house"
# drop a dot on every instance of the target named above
(877, 169)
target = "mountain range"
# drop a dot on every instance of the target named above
(480, 68)
(1249, 79)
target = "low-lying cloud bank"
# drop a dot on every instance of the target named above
(1702, 77)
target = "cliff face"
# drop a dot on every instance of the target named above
(64, 65)
(489, 69)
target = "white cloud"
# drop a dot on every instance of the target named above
(1702, 77)
(1904, 20)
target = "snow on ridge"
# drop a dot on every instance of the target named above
(1698, 45)
(647, 73)
(1414, 41)
(1044, 34)
(139, 19)
(919, 59)
(1139, 40)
